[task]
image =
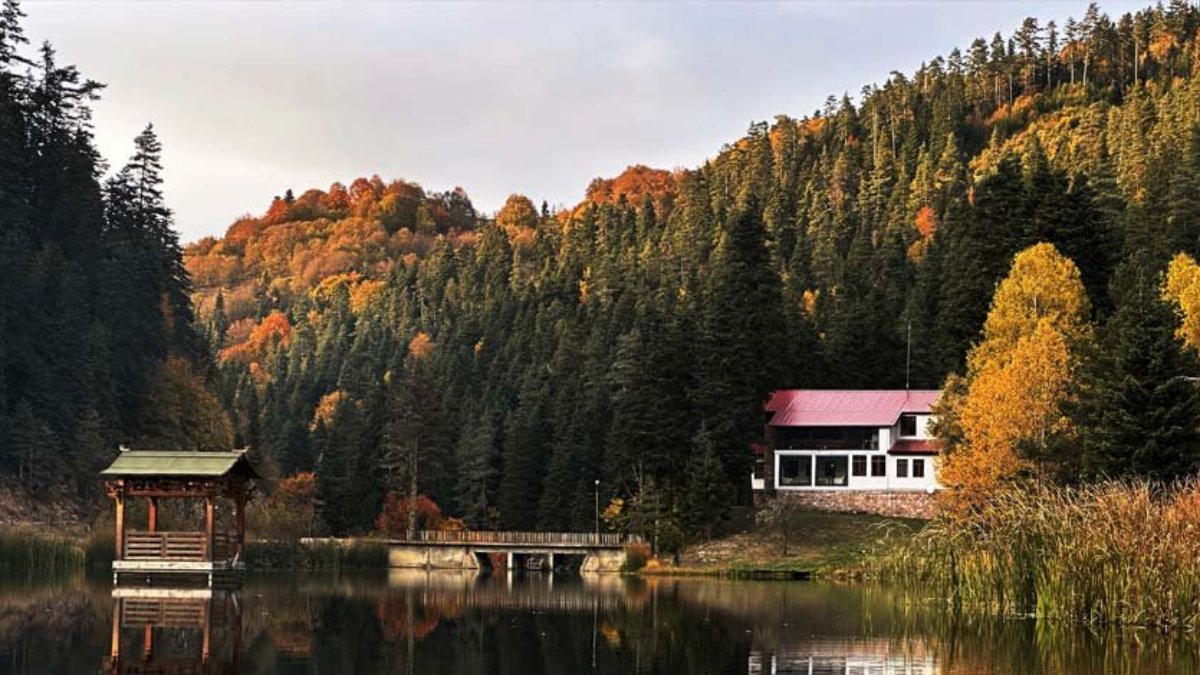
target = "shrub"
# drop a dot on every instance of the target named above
(393, 519)
(637, 553)
(290, 512)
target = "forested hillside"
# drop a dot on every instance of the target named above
(97, 338)
(631, 339)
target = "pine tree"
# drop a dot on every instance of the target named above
(708, 492)
(1139, 410)
(415, 447)
(740, 333)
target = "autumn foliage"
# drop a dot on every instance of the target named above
(1010, 406)
(634, 184)
(290, 512)
(1183, 289)
(274, 329)
(393, 519)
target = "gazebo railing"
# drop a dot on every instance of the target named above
(177, 546)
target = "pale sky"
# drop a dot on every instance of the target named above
(251, 98)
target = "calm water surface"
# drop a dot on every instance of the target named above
(439, 623)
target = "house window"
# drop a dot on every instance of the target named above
(827, 438)
(908, 425)
(831, 471)
(902, 468)
(795, 470)
(878, 466)
(858, 465)
(918, 468)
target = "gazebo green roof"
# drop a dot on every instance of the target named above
(179, 463)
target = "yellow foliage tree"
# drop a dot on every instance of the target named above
(1042, 285)
(1183, 289)
(1018, 376)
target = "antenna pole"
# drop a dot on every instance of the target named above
(908, 356)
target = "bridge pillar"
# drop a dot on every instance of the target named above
(603, 560)
(550, 562)
(441, 557)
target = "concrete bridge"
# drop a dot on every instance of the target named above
(596, 552)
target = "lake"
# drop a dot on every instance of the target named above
(417, 622)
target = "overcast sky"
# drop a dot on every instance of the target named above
(250, 99)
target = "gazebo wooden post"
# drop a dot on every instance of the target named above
(152, 510)
(240, 519)
(206, 632)
(119, 543)
(210, 523)
(147, 641)
(115, 649)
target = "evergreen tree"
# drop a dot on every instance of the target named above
(415, 447)
(1139, 409)
(740, 332)
(707, 490)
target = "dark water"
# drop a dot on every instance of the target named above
(438, 623)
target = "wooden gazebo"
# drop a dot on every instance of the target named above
(159, 474)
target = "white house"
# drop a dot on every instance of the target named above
(831, 440)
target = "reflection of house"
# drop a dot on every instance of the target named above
(840, 664)
(848, 440)
(844, 656)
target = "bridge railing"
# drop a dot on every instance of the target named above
(547, 538)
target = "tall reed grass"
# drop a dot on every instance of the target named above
(1118, 553)
(34, 553)
(295, 555)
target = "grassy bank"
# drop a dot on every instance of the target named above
(1115, 553)
(816, 544)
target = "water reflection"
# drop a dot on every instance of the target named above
(175, 631)
(416, 622)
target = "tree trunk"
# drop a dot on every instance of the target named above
(412, 490)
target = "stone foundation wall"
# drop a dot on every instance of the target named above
(910, 504)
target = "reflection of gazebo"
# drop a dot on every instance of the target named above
(168, 623)
(155, 475)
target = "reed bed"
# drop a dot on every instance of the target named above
(362, 554)
(35, 553)
(1114, 553)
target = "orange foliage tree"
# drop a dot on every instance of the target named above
(1009, 409)
(517, 214)
(274, 329)
(393, 519)
(290, 512)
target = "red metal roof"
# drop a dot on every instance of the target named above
(846, 407)
(916, 447)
